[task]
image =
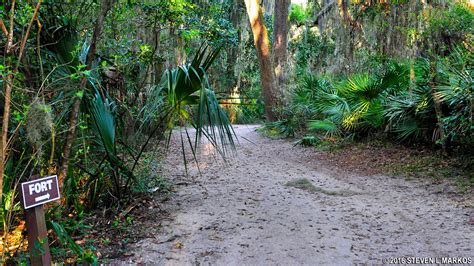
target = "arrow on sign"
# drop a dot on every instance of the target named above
(44, 197)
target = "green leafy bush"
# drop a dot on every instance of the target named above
(297, 14)
(393, 102)
(448, 28)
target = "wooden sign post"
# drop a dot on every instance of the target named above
(38, 245)
(35, 193)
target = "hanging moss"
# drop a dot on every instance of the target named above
(39, 123)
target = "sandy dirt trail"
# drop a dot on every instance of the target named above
(242, 213)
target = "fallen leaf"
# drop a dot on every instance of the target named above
(178, 245)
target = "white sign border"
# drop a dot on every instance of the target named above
(34, 181)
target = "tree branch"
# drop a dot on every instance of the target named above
(22, 47)
(323, 12)
(4, 29)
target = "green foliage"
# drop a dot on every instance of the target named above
(65, 239)
(308, 141)
(310, 100)
(390, 101)
(355, 103)
(449, 27)
(148, 178)
(283, 128)
(412, 114)
(104, 124)
(251, 108)
(213, 26)
(307, 96)
(81, 255)
(365, 95)
(311, 51)
(187, 86)
(297, 14)
(327, 126)
(455, 91)
(408, 111)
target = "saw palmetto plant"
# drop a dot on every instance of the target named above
(411, 113)
(455, 91)
(366, 94)
(357, 102)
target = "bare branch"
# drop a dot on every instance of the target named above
(22, 47)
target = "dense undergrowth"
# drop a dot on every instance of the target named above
(419, 105)
(389, 102)
(98, 108)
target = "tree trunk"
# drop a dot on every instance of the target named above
(105, 7)
(349, 27)
(233, 50)
(438, 109)
(157, 65)
(7, 83)
(343, 11)
(280, 43)
(262, 45)
(439, 118)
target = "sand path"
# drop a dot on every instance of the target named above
(242, 213)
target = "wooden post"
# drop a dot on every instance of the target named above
(38, 245)
(37, 236)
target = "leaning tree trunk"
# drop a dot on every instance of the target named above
(280, 43)
(7, 83)
(105, 7)
(262, 45)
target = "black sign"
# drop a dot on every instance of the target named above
(40, 191)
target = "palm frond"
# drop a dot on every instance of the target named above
(103, 123)
(328, 126)
(308, 141)
(187, 96)
(408, 129)
(282, 128)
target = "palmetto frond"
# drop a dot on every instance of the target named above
(408, 128)
(365, 95)
(103, 123)
(410, 112)
(307, 97)
(328, 126)
(458, 87)
(455, 91)
(188, 99)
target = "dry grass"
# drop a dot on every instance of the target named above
(305, 184)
